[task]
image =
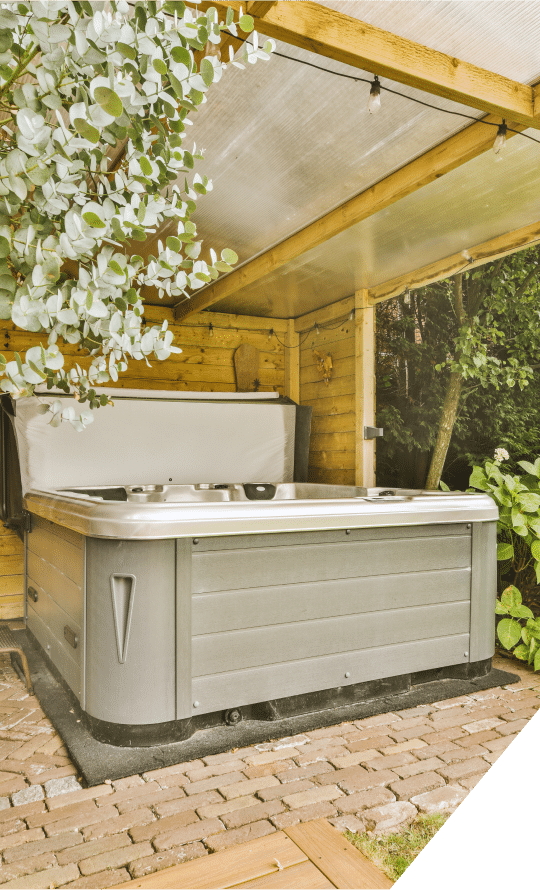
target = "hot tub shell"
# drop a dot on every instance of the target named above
(180, 605)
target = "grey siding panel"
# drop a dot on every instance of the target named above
(131, 681)
(216, 653)
(235, 569)
(298, 677)
(184, 697)
(61, 589)
(48, 629)
(484, 590)
(331, 536)
(237, 609)
(55, 549)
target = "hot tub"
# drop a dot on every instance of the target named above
(169, 605)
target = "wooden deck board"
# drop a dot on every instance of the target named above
(310, 856)
(335, 857)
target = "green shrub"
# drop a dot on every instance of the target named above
(518, 550)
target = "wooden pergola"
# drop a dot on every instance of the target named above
(332, 209)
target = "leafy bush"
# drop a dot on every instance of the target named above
(518, 549)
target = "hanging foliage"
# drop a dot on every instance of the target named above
(94, 103)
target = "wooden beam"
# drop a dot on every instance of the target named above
(364, 388)
(453, 152)
(503, 245)
(292, 362)
(345, 39)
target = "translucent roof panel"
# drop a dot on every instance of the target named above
(498, 35)
(470, 205)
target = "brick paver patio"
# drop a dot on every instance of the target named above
(375, 773)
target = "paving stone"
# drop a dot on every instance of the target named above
(170, 823)
(93, 848)
(354, 759)
(219, 769)
(418, 711)
(436, 750)
(305, 798)
(128, 782)
(44, 817)
(271, 756)
(155, 799)
(288, 742)
(477, 738)
(452, 702)
(26, 866)
(321, 810)
(492, 756)
(313, 770)
(179, 805)
(330, 731)
(409, 745)
(444, 735)
(389, 817)
(137, 795)
(108, 878)
(117, 824)
(341, 775)
(348, 822)
(470, 782)
(364, 800)
(499, 744)
(318, 755)
(82, 820)
(248, 786)
(54, 876)
(377, 720)
(218, 782)
(404, 789)
(252, 814)
(28, 795)
(369, 780)
(424, 730)
(201, 830)
(421, 766)
(239, 835)
(481, 725)
(440, 800)
(391, 760)
(115, 858)
(156, 774)
(230, 755)
(97, 793)
(210, 811)
(19, 838)
(16, 783)
(4, 803)
(462, 770)
(12, 826)
(42, 845)
(377, 742)
(65, 785)
(268, 769)
(276, 792)
(464, 754)
(150, 864)
(511, 728)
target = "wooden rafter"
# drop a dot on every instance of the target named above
(483, 253)
(340, 37)
(452, 153)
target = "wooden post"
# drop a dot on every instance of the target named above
(364, 351)
(292, 362)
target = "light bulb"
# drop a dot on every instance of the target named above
(500, 141)
(374, 102)
(270, 333)
(317, 329)
(210, 330)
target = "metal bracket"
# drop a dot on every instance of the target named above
(71, 636)
(22, 523)
(373, 432)
(33, 594)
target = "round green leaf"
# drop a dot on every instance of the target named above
(535, 549)
(5, 247)
(121, 304)
(5, 307)
(522, 652)
(128, 51)
(159, 66)
(511, 597)
(86, 130)
(93, 220)
(521, 612)
(537, 661)
(246, 23)
(207, 71)
(145, 166)
(182, 55)
(229, 256)
(109, 101)
(506, 551)
(173, 243)
(508, 632)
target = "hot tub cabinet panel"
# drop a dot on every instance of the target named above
(171, 629)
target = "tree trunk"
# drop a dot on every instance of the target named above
(448, 418)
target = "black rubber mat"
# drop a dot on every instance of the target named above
(97, 761)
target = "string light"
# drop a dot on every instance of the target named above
(500, 141)
(210, 330)
(270, 333)
(374, 102)
(317, 331)
(351, 315)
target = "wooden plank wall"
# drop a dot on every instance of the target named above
(333, 432)
(205, 365)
